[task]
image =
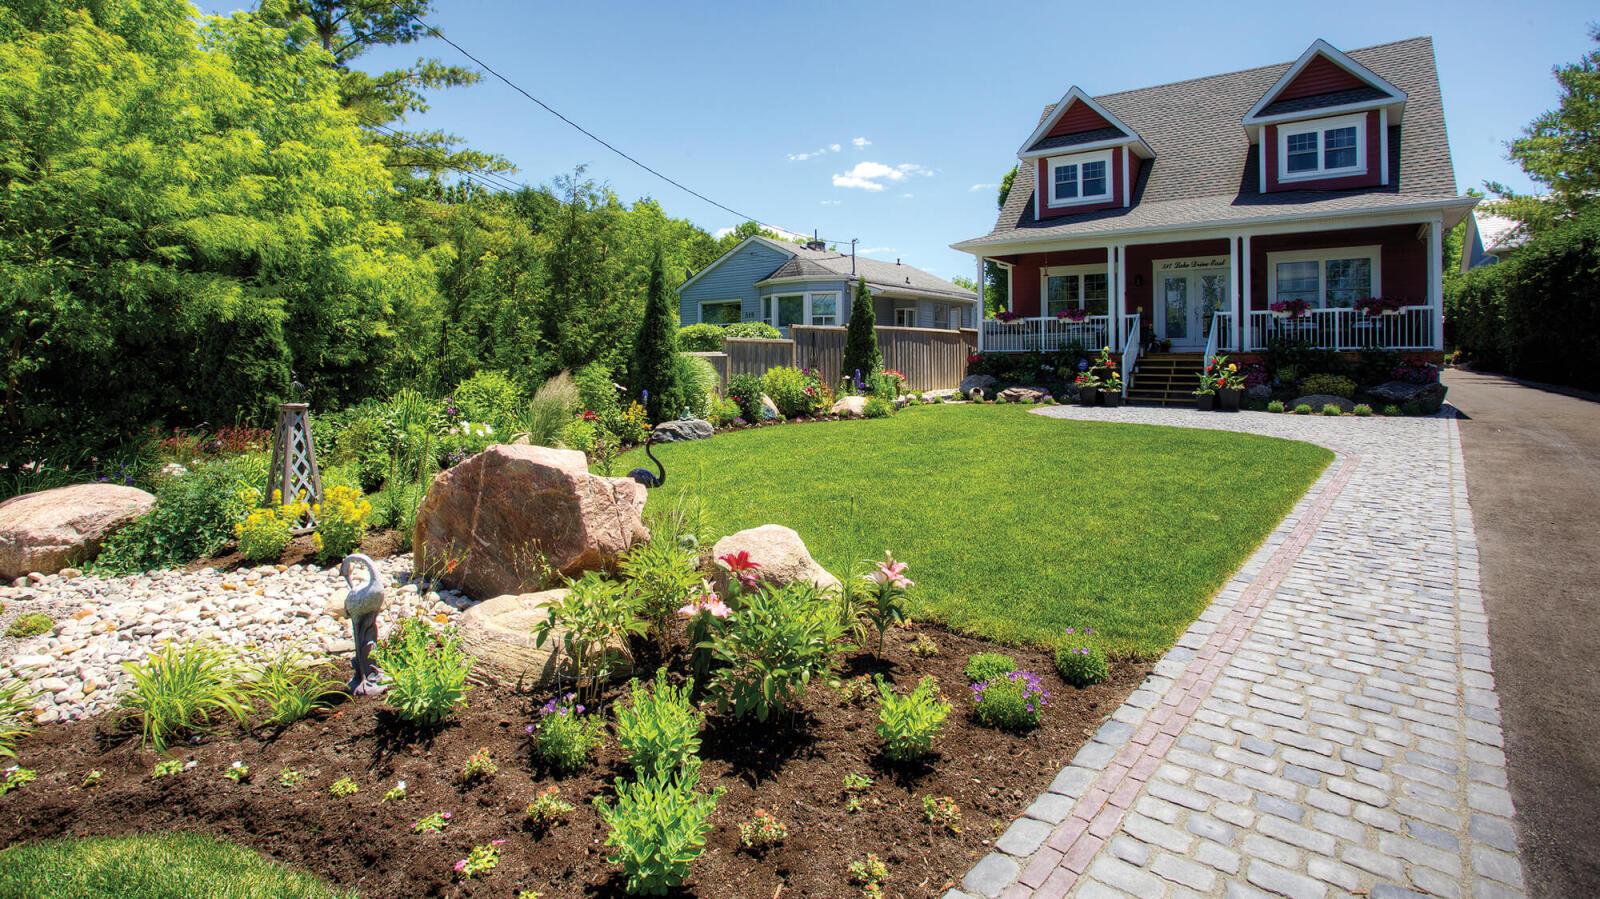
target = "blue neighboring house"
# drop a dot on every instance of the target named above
(785, 284)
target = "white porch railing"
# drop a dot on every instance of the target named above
(1222, 327)
(1211, 343)
(1130, 351)
(1347, 329)
(1044, 333)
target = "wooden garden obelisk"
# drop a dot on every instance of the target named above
(294, 461)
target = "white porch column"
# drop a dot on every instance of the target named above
(1245, 337)
(1122, 278)
(1436, 279)
(1113, 299)
(979, 321)
(1235, 316)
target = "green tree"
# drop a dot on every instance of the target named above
(1009, 179)
(1559, 150)
(861, 339)
(655, 350)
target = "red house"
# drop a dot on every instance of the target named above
(1196, 208)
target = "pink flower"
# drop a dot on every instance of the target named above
(461, 866)
(496, 842)
(706, 602)
(890, 572)
(446, 816)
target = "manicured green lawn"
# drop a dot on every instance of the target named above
(1016, 526)
(172, 866)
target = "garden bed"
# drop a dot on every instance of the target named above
(792, 768)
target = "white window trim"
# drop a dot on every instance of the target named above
(1078, 160)
(1093, 268)
(905, 310)
(807, 299)
(811, 299)
(729, 302)
(1319, 127)
(1374, 253)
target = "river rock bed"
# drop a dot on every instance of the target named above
(101, 623)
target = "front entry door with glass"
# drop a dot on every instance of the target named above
(1188, 296)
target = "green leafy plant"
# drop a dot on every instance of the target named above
(16, 714)
(908, 724)
(986, 666)
(541, 421)
(1082, 666)
(264, 533)
(658, 828)
(433, 823)
(565, 738)
(942, 811)
(772, 647)
(661, 576)
(16, 776)
(761, 832)
(30, 625)
(478, 767)
(700, 338)
(870, 874)
(745, 391)
(1332, 385)
(877, 407)
(289, 778)
(184, 689)
(858, 688)
(924, 647)
(167, 768)
(1275, 406)
(795, 392)
(238, 772)
(92, 779)
(598, 616)
(342, 787)
(1362, 410)
(292, 687)
(657, 726)
(193, 517)
(1303, 409)
(396, 793)
(548, 810)
(752, 331)
(490, 396)
(1391, 411)
(698, 380)
(480, 860)
(427, 670)
(341, 520)
(1332, 409)
(1012, 701)
(887, 586)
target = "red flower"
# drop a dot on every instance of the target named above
(742, 567)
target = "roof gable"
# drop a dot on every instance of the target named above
(753, 239)
(1323, 71)
(1078, 120)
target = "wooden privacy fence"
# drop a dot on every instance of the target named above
(930, 358)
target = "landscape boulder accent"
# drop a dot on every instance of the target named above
(1429, 396)
(509, 517)
(769, 409)
(54, 529)
(682, 429)
(779, 551)
(1317, 400)
(984, 383)
(1024, 394)
(498, 634)
(1259, 392)
(854, 406)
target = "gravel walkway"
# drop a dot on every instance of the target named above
(1328, 726)
(101, 623)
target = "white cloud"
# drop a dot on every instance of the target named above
(802, 157)
(873, 175)
(977, 187)
(906, 196)
(868, 251)
(860, 142)
(833, 147)
(720, 233)
(831, 202)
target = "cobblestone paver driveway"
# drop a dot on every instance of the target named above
(1327, 727)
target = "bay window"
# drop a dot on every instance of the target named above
(1083, 178)
(1322, 149)
(1325, 279)
(818, 308)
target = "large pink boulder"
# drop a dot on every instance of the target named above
(53, 529)
(508, 518)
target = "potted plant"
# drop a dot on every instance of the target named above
(1205, 396)
(1224, 375)
(1111, 389)
(1088, 387)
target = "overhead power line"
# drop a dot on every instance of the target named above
(482, 177)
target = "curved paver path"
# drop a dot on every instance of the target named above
(1328, 726)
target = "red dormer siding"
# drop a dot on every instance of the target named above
(1078, 118)
(1320, 76)
(1372, 178)
(1042, 179)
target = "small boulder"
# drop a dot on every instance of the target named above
(769, 409)
(779, 551)
(1023, 394)
(507, 518)
(498, 634)
(1259, 392)
(682, 429)
(53, 529)
(1317, 400)
(850, 405)
(982, 382)
(1429, 396)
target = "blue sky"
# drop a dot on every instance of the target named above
(892, 122)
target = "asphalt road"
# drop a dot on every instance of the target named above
(1533, 480)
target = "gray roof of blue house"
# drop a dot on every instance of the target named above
(887, 277)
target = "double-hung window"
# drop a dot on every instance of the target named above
(1322, 149)
(1083, 287)
(825, 308)
(1084, 178)
(1325, 279)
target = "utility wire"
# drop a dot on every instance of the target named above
(481, 177)
(596, 138)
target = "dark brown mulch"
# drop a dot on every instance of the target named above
(377, 544)
(793, 768)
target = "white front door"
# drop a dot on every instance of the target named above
(1186, 300)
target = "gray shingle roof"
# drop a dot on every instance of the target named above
(1073, 140)
(1206, 171)
(1323, 101)
(888, 276)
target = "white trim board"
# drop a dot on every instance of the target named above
(1373, 252)
(1320, 47)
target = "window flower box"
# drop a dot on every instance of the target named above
(1290, 309)
(1372, 307)
(1072, 315)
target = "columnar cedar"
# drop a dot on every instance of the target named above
(655, 377)
(861, 339)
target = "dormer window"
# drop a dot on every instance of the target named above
(1326, 148)
(1081, 178)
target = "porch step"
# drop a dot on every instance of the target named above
(1165, 379)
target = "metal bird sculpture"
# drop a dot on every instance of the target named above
(363, 604)
(643, 475)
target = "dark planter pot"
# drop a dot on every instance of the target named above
(1111, 398)
(1206, 401)
(1228, 399)
(1087, 395)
